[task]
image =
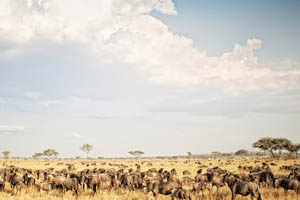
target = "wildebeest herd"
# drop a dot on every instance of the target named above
(155, 181)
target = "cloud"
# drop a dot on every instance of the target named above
(4, 129)
(33, 95)
(50, 103)
(124, 32)
(229, 106)
(76, 135)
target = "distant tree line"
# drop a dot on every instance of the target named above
(276, 147)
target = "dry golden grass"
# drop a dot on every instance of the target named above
(180, 165)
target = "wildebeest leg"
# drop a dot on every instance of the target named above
(94, 188)
(233, 192)
(233, 196)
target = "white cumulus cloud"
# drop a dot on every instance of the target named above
(123, 31)
(33, 95)
(76, 135)
(5, 129)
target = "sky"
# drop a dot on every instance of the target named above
(162, 76)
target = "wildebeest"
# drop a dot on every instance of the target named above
(15, 181)
(241, 187)
(71, 184)
(57, 181)
(157, 186)
(289, 184)
(180, 193)
(44, 186)
(265, 177)
(2, 183)
(186, 172)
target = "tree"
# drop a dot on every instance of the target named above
(226, 154)
(216, 154)
(281, 144)
(86, 148)
(266, 144)
(6, 154)
(189, 154)
(241, 152)
(37, 155)
(50, 153)
(294, 148)
(136, 153)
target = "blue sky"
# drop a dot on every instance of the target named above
(217, 25)
(164, 77)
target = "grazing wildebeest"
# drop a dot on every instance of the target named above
(244, 188)
(29, 180)
(44, 186)
(15, 181)
(57, 181)
(71, 184)
(181, 194)
(92, 182)
(158, 186)
(216, 180)
(265, 177)
(186, 172)
(290, 184)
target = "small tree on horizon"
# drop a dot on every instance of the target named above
(189, 154)
(136, 153)
(6, 154)
(86, 148)
(37, 155)
(50, 153)
(241, 152)
(216, 154)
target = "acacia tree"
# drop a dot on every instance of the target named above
(265, 144)
(294, 148)
(273, 144)
(241, 152)
(86, 148)
(37, 155)
(6, 154)
(136, 153)
(281, 144)
(50, 153)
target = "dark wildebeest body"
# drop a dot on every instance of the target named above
(15, 181)
(44, 186)
(265, 178)
(71, 184)
(58, 182)
(158, 186)
(2, 183)
(241, 187)
(181, 194)
(290, 184)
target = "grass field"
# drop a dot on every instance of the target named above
(180, 165)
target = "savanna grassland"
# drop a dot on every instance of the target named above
(30, 192)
